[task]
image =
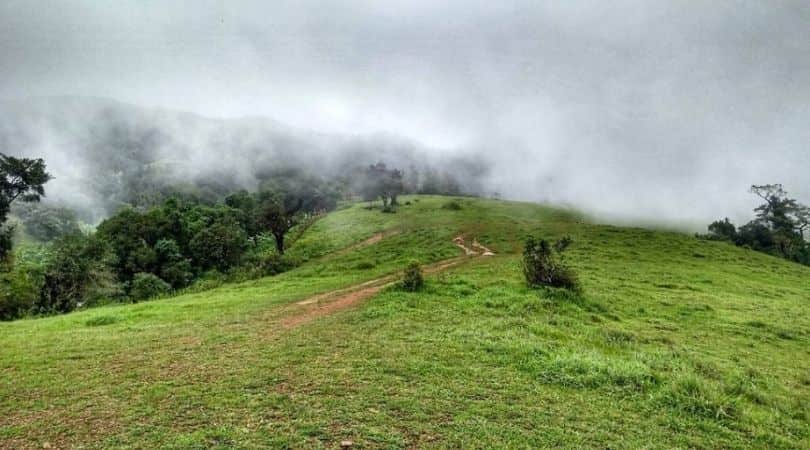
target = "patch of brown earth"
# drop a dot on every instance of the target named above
(377, 237)
(318, 309)
(484, 251)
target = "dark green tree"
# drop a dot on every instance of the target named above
(75, 266)
(219, 246)
(288, 199)
(20, 179)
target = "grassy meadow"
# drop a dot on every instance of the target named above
(673, 342)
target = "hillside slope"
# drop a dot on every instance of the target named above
(674, 342)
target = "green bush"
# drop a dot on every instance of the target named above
(364, 265)
(452, 205)
(413, 280)
(101, 320)
(18, 292)
(146, 285)
(274, 264)
(543, 264)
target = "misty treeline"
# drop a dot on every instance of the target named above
(778, 228)
(105, 155)
(188, 239)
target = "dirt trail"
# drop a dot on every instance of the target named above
(333, 301)
(377, 237)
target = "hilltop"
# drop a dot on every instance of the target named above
(105, 154)
(673, 342)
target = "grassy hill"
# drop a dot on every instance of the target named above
(674, 342)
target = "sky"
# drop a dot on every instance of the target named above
(662, 111)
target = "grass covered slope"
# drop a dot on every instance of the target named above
(674, 342)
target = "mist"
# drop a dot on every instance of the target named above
(656, 112)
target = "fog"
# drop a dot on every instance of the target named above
(660, 112)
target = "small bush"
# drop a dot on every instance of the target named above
(274, 264)
(101, 320)
(146, 285)
(452, 205)
(413, 279)
(364, 265)
(543, 264)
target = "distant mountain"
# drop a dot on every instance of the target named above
(105, 153)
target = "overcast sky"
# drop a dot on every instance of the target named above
(648, 109)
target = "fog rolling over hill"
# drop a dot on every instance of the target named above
(104, 153)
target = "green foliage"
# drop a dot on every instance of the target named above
(174, 268)
(23, 179)
(218, 246)
(76, 266)
(543, 265)
(778, 228)
(145, 286)
(452, 205)
(412, 279)
(46, 223)
(723, 230)
(18, 292)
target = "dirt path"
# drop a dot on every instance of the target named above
(330, 302)
(377, 237)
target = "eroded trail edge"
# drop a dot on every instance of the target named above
(330, 302)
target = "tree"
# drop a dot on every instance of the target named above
(279, 213)
(723, 230)
(245, 204)
(174, 268)
(287, 199)
(778, 227)
(778, 211)
(23, 179)
(47, 223)
(76, 264)
(383, 183)
(219, 246)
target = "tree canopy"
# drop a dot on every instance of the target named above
(778, 227)
(20, 179)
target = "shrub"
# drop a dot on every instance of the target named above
(146, 285)
(101, 320)
(17, 294)
(364, 265)
(452, 205)
(274, 264)
(413, 279)
(543, 264)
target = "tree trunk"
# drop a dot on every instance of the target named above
(279, 242)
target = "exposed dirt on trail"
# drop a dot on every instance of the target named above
(377, 237)
(333, 301)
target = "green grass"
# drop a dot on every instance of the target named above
(673, 343)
